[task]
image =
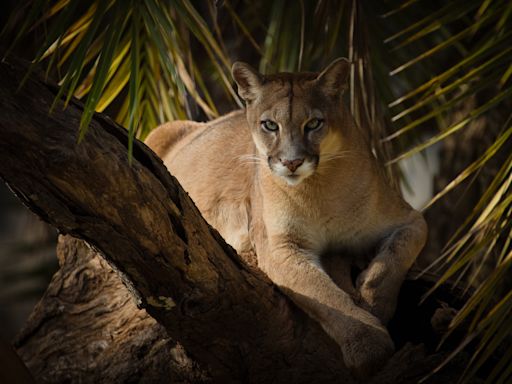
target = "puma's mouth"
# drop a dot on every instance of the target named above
(293, 174)
(296, 177)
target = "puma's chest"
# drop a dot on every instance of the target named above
(325, 223)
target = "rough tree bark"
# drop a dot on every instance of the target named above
(99, 328)
(235, 325)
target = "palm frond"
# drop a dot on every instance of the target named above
(471, 39)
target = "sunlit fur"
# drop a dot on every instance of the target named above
(336, 203)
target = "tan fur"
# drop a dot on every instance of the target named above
(308, 226)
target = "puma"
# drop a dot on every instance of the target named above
(293, 180)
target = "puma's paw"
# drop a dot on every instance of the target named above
(366, 350)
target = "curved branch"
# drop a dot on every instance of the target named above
(229, 317)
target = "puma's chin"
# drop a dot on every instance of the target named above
(294, 179)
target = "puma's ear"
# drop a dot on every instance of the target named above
(248, 79)
(334, 78)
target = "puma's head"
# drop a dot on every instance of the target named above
(295, 118)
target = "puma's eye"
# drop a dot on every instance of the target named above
(270, 125)
(313, 124)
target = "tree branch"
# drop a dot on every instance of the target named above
(229, 317)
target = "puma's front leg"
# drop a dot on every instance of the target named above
(380, 283)
(364, 342)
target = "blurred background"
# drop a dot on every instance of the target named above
(27, 262)
(430, 85)
(27, 244)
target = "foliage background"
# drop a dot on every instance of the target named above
(423, 72)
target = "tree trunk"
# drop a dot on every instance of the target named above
(101, 332)
(233, 323)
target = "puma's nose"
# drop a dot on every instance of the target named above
(292, 165)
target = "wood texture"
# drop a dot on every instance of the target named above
(98, 332)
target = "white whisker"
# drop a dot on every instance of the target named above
(248, 160)
(250, 157)
(330, 156)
